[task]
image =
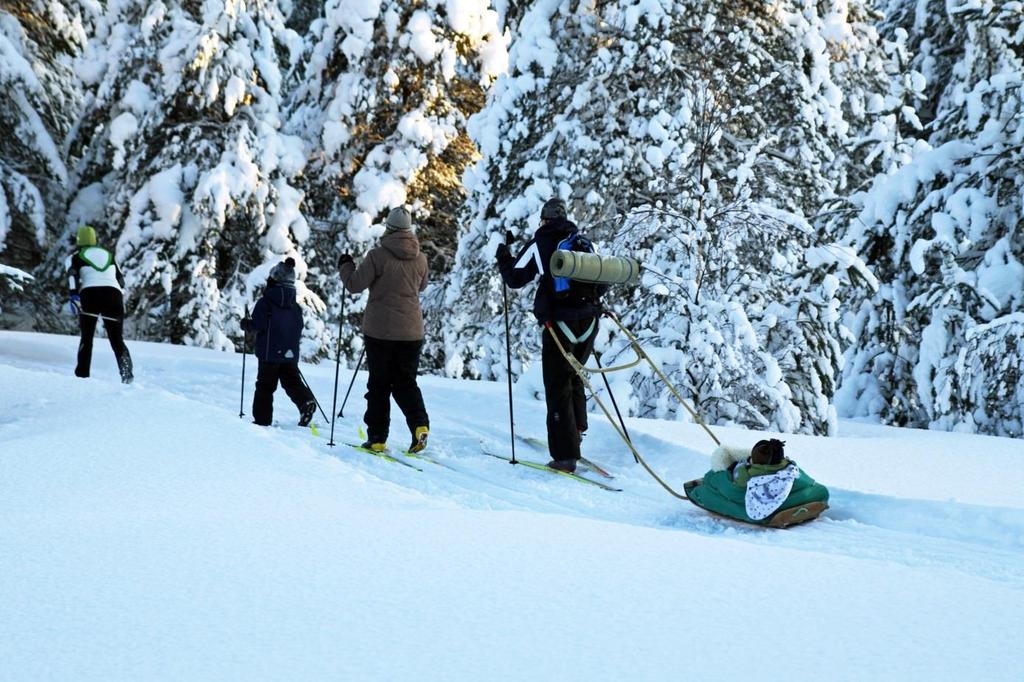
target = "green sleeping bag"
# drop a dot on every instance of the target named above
(718, 493)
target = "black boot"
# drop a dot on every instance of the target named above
(306, 413)
(566, 465)
(124, 364)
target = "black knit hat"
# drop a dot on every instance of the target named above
(553, 209)
(284, 272)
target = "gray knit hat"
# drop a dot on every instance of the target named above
(553, 208)
(398, 219)
(284, 272)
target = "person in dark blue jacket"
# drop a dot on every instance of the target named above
(277, 322)
(567, 309)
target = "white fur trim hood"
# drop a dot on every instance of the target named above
(724, 456)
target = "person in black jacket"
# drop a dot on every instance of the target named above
(277, 322)
(564, 309)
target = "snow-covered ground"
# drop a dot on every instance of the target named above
(146, 532)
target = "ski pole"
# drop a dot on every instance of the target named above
(99, 317)
(245, 351)
(359, 363)
(306, 384)
(508, 360)
(629, 439)
(337, 367)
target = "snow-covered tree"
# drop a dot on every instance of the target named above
(184, 163)
(12, 285)
(703, 140)
(383, 100)
(988, 378)
(944, 235)
(38, 41)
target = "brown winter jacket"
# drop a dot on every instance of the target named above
(395, 272)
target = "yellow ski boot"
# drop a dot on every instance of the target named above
(419, 439)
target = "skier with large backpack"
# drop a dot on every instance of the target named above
(566, 308)
(277, 322)
(97, 294)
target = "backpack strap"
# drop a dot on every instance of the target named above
(561, 284)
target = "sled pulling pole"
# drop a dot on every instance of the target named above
(583, 373)
(615, 404)
(640, 351)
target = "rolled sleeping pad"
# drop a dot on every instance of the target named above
(592, 267)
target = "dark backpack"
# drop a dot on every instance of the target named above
(569, 292)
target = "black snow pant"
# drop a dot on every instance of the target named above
(563, 388)
(108, 302)
(392, 366)
(267, 376)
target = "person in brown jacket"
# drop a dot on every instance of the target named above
(395, 273)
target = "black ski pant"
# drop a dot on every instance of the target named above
(393, 366)
(267, 376)
(563, 388)
(108, 302)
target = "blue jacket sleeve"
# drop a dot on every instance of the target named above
(260, 318)
(519, 271)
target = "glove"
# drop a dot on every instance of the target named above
(246, 323)
(502, 253)
(75, 304)
(344, 258)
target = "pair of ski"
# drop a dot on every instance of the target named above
(541, 445)
(403, 455)
(387, 455)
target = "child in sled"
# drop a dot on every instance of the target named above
(763, 487)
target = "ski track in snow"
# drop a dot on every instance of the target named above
(981, 541)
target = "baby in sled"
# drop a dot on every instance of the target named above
(762, 487)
